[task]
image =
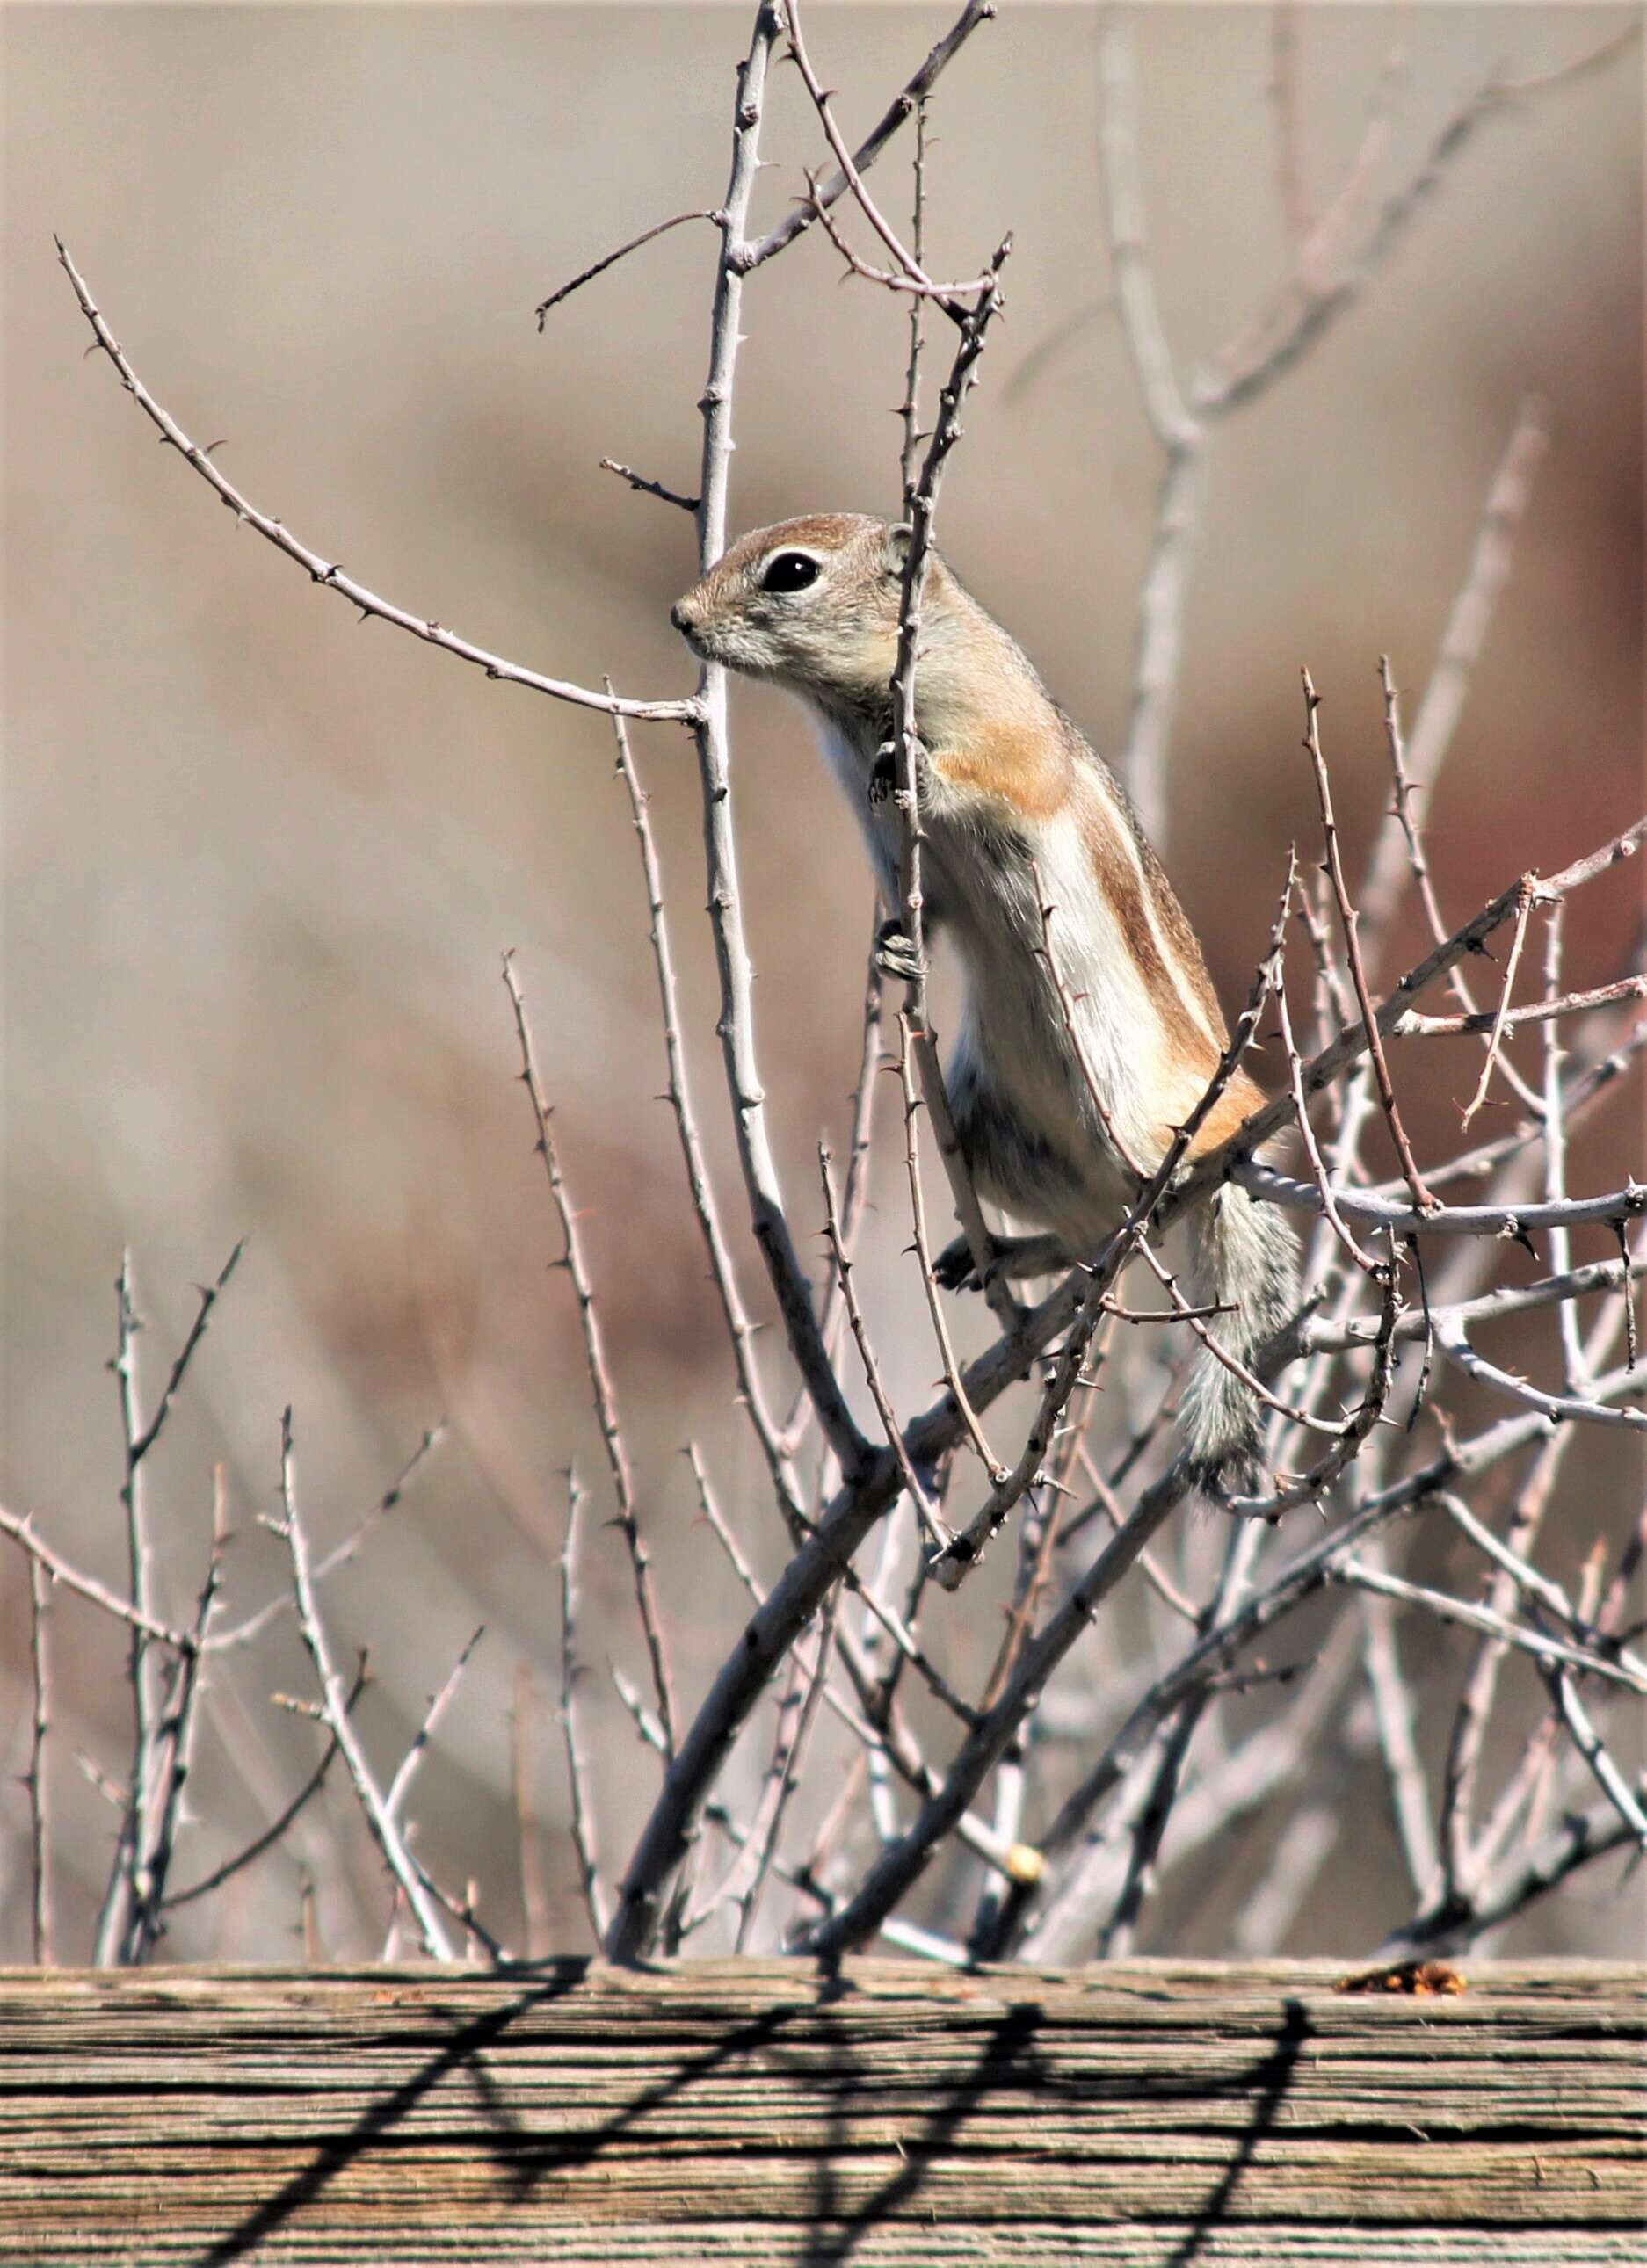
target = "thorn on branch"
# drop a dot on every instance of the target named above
(640, 482)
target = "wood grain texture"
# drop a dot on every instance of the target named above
(1145, 2114)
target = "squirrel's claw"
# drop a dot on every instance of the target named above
(884, 775)
(895, 953)
(954, 1268)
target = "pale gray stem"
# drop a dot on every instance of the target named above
(328, 574)
(595, 1901)
(39, 1805)
(334, 1702)
(601, 1385)
(768, 1216)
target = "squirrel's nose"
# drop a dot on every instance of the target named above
(679, 616)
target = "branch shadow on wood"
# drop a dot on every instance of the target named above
(464, 2048)
(523, 2157)
(1269, 2081)
(1008, 2061)
(1006, 2057)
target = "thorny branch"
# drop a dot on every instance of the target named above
(600, 1387)
(1122, 1766)
(582, 1819)
(412, 1883)
(326, 572)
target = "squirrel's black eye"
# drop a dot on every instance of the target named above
(790, 571)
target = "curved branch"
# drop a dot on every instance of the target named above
(328, 574)
(901, 106)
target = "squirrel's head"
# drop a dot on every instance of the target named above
(812, 603)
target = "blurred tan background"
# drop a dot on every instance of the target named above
(261, 860)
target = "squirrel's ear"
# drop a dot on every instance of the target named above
(898, 541)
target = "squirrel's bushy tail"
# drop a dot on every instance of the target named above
(1246, 1257)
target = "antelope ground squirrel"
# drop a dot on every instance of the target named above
(1008, 790)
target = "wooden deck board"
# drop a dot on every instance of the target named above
(1140, 2113)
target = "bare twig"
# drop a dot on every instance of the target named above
(1464, 1860)
(1583, 1407)
(111, 1792)
(1496, 1034)
(991, 1463)
(878, 1728)
(1352, 1043)
(1322, 289)
(1496, 1221)
(328, 573)
(855, 1194)
(1516, 1883)
(1524, 1576)
(600, 1377)
(909, 278)
(1164, 401)
(1628, 1301)
(1591, 1085)
(1295, 1072)
(162, 1705)
(1499, 1020)
(172, 1753)
(1591, 1746)
(898, 1867)
(768, 1216)
(1299, 1579)
(35, 1779)
(877, 1773)
(931, 1519)
(400, 1788)
(255, 1624)
(903, 105)
(1309, 308)
(271, 1834)
(1349, 921)
(1575, 1371)
(642, 486)
(528, 1824)
(911, 271)
(404, 1868)
(1595, 1276)
(612, 258)
(784, 1772)
(909, 408)
(1394, 1715)
(723, 1268)
(20, 1527)
(885, 1618)
(308, 1920)
(1544, 1648)
(1118, 1935)
(119, 1896)
(583, 1834)
(1419, 760)
(905, 752)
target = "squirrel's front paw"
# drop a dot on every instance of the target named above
(954, 1269)
(884, 775)
(895, 953)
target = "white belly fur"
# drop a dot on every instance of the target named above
(1016, 1032)
(1013, 1051)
